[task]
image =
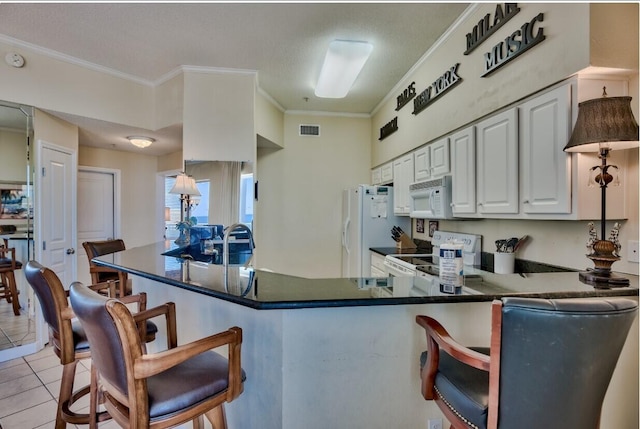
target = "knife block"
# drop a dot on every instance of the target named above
(405, 242)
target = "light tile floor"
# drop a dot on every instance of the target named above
(29, 388)
(15, 330)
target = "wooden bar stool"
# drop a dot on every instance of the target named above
(8, 266)
(101, 274)
(70, 343)
(158, 390)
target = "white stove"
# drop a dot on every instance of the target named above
(406, 264)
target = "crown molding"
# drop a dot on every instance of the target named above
(50, 53)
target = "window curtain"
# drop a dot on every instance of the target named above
(230, 192)
(224, 188)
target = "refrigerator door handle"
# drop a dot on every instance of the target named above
(345, 235)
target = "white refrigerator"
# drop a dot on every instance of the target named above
(367, 220)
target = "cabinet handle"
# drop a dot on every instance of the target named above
(525, 202)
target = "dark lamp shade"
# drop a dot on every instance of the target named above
(604, 122)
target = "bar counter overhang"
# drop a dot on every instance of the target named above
(342, 352)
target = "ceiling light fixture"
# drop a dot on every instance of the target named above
(141, 141)
(342, 65)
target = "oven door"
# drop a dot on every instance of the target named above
(394, 268)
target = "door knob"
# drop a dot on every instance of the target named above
(71, 251)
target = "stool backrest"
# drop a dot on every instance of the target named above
(53, 300)
(108, 351)
(557, 358)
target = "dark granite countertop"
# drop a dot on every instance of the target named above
(266, 290)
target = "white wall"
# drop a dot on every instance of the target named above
(49, 83)
(299, 210)
(219, 117)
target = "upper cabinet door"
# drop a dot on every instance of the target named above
(545, 168)
(422, 163)
(463, 154)
(440, 158)
(403, 175)
(497, 163)
(387, 173)
(376, 176)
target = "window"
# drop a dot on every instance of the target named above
(199, 207)
(246, 199)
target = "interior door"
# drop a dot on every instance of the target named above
(55, 217)
(57, 212)
(96, 217)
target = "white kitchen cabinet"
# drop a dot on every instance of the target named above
(497, 163)
(545, 169)
(422, 163)
(376, 176)
(377, 265)
(463, 166)
(386, 172)
(432, 160)
(440, 158)
(403, 176)
(382, 175)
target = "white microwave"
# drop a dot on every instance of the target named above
(431, 199)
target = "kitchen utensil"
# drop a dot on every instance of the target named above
(500, 245)
(520, 242)
(511, 245)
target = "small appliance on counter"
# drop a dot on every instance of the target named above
(367, 221)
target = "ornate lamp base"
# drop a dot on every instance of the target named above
(600, 276)
(184, 237)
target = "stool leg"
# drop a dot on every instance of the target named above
(217, 417)
(13, 291)
(66, 390)
(93, 399)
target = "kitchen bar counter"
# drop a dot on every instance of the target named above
(342, 353)
(264, 290)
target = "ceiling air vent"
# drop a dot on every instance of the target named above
(310, 130)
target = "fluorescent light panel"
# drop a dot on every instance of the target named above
(342, 65)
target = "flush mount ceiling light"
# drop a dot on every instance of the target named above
(342, 65)
(141, 141)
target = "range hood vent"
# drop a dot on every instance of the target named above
(310, 130)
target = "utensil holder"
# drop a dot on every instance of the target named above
(504, 262)
(405, 242)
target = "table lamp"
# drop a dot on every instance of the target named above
(186, 187)
(603, 124)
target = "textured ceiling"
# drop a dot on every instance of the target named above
(284, 42)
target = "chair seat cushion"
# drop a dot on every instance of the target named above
(6, 263)
(463, 388)
(187, 384)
